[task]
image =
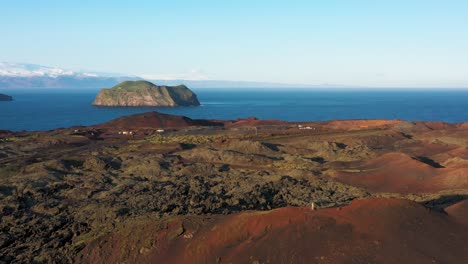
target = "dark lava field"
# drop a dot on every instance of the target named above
(155, 188)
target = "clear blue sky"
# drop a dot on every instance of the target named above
(355, 42)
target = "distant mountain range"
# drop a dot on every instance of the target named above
(23, 75)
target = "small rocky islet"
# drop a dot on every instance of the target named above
(4, 97)
(144, 93)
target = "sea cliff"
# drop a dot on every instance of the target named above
(144, 93)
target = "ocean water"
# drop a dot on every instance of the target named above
(44, 109)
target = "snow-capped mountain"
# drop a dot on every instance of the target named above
(34, 70)
(24, 75)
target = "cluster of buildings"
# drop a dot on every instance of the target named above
(126, 133)
(305, 127)
(131, 133)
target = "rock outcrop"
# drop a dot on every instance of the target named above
(4, 97)
(143, 93)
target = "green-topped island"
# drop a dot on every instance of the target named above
(144, 93)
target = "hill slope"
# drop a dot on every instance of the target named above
(367, 231)
(156, 120)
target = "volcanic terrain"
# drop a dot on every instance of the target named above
(169, 189)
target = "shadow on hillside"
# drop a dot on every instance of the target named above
(444, 201)
(429, 162)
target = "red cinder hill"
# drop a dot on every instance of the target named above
(459, 212)
(400, 173)
(367, 231)
(160, 120)
(156, 120)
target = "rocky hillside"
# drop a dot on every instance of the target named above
(143, 93)
(4, 97)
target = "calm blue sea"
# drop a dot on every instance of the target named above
(43, 109)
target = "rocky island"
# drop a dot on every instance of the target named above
(4, 97)
(144, 93)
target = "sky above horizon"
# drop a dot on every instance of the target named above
(392, 43)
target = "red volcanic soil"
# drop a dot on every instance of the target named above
(253, 121)
(400, 173)
(5, 133)
(156, 120)
(359, 124)
(439, 125)
(159, 120)
(459, 212)
(367, 231)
